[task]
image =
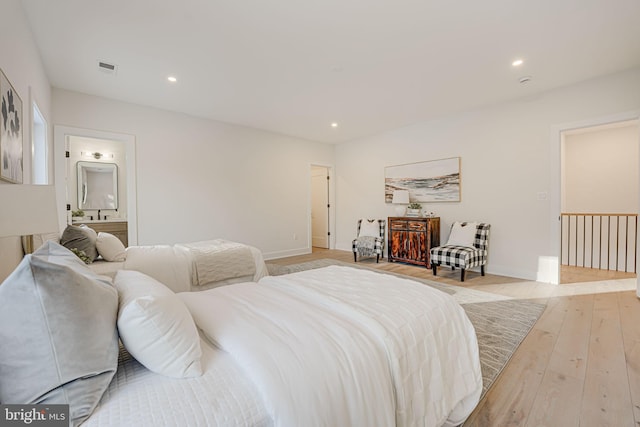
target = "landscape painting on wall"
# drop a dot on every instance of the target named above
(10, 132)
(432, 181)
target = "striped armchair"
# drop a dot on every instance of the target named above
(370, 240)
(463, 257)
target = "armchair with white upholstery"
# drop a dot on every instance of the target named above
(467, 248)
(370, 239)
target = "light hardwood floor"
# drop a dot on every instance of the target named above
(579, 365)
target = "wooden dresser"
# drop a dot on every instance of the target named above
(117, 228)
(411, 239)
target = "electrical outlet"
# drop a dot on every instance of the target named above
(542, 195)
(295, 236)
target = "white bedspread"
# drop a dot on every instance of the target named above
(223, 396)
(173, 265)
(351, 347)
(216, 260)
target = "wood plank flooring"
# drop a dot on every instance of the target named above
(579, 365)
(572, 274)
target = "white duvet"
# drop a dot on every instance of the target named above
(174, 265)
(344, 346)
(223, 397)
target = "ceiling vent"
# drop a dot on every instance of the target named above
(106, 67)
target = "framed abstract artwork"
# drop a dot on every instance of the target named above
(10, 132)
(431, 181)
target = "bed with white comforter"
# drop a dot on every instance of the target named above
(193, 266)
(335, 346)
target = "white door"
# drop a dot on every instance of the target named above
(319, 207)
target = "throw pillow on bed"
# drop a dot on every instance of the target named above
(110, 247)
(82, 238)
(156, 327)
(58, 337)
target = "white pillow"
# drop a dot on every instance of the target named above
(110, 247)
(156, 327)
(371, 229)
(171, 265)
(463, 235)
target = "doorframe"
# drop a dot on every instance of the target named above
(332, 209)
(555, 193)
(60, 134)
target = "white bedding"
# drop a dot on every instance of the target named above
(217, 260)
(106, 268)
(336, 346)
(222, 396)
(173, 265)
(351, 347)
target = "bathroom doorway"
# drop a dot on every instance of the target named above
(73, 145)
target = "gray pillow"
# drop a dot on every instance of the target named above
(59, 342)
(82, 238)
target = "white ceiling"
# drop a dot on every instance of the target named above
(296, 66)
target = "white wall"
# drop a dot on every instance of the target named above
(20, 62)
(506, 167)
(200, 179)
(600, 170)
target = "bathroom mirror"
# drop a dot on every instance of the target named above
(97, 185)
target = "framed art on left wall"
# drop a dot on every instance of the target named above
(10, 132)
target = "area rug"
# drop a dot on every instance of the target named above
(501, 323)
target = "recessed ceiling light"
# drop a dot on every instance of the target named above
(517, 62)
(172, 79)
(334, 125)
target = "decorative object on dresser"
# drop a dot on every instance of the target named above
(431, 181)
(370, 240)
(413, 210)
(77, 215)
(411, 239)
(117, 228)
(466, 248)
(400, 198)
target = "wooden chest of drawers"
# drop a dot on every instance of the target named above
(411, 239)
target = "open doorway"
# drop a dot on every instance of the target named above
(320, 206)
(97, 147)
(599, 193)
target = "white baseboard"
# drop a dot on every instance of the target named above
(285, 254)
